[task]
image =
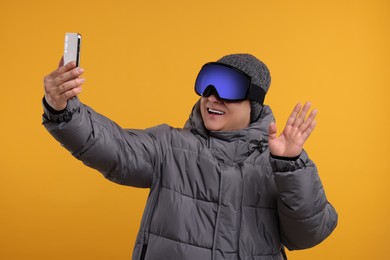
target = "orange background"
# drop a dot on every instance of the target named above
(141, 59)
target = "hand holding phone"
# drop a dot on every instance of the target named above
(65, 82)
(72, 48)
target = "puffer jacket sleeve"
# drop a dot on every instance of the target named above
(306, 217)
(122, 156)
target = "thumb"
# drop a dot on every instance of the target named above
(272, 131)
(61, 62)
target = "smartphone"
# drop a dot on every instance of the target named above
(72, 48)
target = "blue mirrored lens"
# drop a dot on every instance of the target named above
(230, 84)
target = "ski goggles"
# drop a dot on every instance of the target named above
(230, 83)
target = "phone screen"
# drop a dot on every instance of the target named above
(72, 48)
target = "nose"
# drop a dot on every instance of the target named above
(211, 94)
(213, 98)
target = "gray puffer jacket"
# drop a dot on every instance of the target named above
(213, 195)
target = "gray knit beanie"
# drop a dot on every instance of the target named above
(258, 72)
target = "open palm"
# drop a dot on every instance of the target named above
(297, 130)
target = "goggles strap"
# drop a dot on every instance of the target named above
(256, 93)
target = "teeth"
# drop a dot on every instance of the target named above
(215, 111)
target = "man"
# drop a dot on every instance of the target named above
(223, 187)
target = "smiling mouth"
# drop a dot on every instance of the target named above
(215, 112)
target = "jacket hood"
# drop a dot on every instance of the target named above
(253, 136)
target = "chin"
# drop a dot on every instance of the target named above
(213, 127)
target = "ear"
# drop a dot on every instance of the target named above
(256, 110)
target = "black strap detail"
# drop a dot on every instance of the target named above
(257, 94)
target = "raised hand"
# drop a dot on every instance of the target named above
(63, 84)
(297, 130)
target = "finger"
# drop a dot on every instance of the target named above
(309, 130)
(61, 62)
(291, 119)
(72, 93)
(62, 69)
(308, 120)
(272, 131)
(69, 75)
(69, 85)
(301, 117)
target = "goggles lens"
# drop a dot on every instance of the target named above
(229, 82)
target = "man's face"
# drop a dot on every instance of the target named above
(219, 115)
